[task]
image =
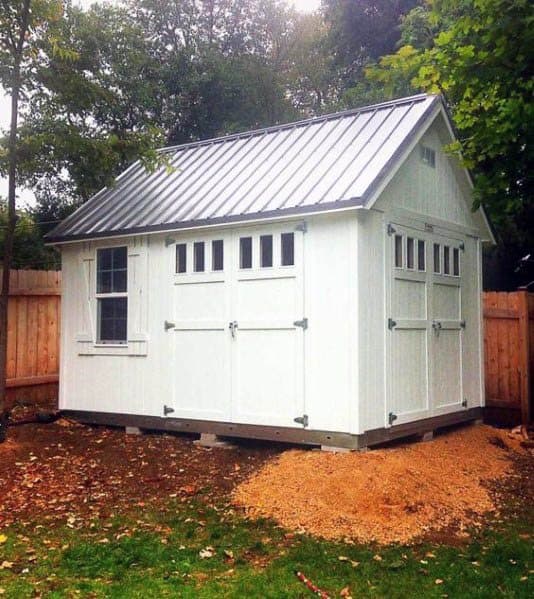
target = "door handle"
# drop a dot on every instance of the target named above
(436, 325)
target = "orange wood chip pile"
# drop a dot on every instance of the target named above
(386, 495)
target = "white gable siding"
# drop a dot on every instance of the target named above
(442, 192)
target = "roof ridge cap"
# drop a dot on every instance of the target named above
(300, 123)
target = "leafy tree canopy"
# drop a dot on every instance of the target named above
(481, 58)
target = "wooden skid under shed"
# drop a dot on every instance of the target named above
(271, 433)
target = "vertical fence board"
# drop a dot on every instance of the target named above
(33, 335)
(524, 354)
(508, 354)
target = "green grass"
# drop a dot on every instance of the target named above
(154, 555)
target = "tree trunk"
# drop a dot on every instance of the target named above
(11, 211)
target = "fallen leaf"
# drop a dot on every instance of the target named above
(438, 581)
(206, 553)
(345, 592)
(5, 565)
(229, 554)
(377, 558)
(3, 539)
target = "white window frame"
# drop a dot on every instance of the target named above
(137, 290)
(111, 295)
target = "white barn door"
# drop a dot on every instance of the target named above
(201, 367)
(408, 326)
(425, 325)
(445, 299)
(268, 343)
(238, 326)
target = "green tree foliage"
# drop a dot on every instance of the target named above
(28, 247)
(312, 77)
(481, 59)
(362, 31)
(147, 73)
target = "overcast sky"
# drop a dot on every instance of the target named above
(5, 113)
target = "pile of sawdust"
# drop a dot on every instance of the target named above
(386, 495)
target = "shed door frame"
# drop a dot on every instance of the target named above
(423, 322)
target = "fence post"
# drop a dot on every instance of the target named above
(524, 355)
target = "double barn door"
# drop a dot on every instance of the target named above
(237, 340)
(425, 324)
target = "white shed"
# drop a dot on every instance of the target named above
(314, 282)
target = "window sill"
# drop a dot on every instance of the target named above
(132, 348)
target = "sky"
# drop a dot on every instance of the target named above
(26, 196)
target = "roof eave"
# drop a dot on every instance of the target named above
(241, 219)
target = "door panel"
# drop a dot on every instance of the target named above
(447, 336)
(268, 348)
(266, 383)
(408, 396)
(201, 367)
(447, 370)
(409, 371)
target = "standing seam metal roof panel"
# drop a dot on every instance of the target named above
(328, 163)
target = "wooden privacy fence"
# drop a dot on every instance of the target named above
(509, 355)
(33, 335)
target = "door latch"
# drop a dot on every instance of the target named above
(391, 418)
(233, 326)
(301, 323)
(168, 325)
(302, 420)
(436, 325)
(167, 410)
(464, 402)
(391, 324)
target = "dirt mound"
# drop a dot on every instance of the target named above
(386, 495)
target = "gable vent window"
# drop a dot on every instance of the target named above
(428, 156)
(111, 295)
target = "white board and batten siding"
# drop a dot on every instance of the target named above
(267, 371)
(370, 318)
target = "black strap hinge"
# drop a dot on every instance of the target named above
(302, 420)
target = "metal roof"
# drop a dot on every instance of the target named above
(320, 164)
